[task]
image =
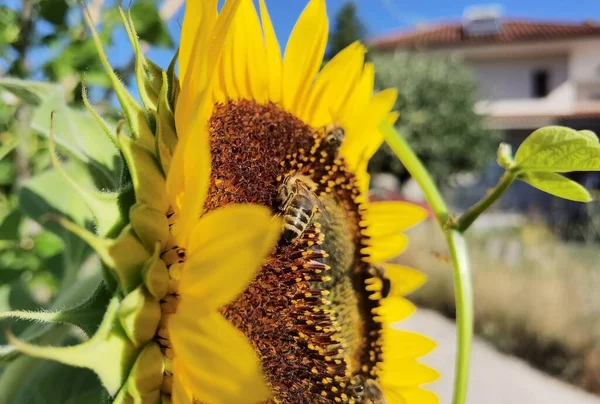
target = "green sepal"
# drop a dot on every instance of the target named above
(173, 91)
(166, 134)
(156, 275)
(124, 256)
(109, 353)
(557, 185)
(139, 314)
(148, 180)
(150, 398)
(148, 94)
(87, 315)
(146, 376)
(155, 78)
(137, 117)
(150, 225)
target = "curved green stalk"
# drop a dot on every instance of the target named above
(467, 218)
(458, 252)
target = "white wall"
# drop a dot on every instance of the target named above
(500, 80)
(584, 73)
(505, 73)
(506, 86)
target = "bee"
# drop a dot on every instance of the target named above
(334, 136)
(366, 391)
(299, 204)
(377, 271)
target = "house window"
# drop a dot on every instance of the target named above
(540, 87)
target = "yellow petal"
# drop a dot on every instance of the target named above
(404, 280)
(410, 396)
(333, 86)
(391, 217)
(237, 48)
(188, 180)
(393, 117)
(394, 309)
(257, 70)
(273, 55)
(393, 396)
(195, 18)
(420, 396)
(225, 250)
(179, 394)
(382, 249)
(406, 373)
(364, 137)
(359, 98)
(193, 68)
(399, 344)
(304, 54)
(214, 360)
(207, 51)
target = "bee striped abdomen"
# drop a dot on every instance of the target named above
(296, 218)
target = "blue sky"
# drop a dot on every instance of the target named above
(384, 16)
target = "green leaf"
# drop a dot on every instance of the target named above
(60, 384)
(108, 342)
(87, 315)
(9, 228)
(558, 149)
(54, 11)
(40, 332)
(557, 185)
(75, 130)
(49, 193)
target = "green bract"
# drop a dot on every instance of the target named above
(118, 207)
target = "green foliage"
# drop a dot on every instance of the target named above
(556, 149)
(557, 185)
(42, 265)
(559, 149)
(95, 148)
(436, 98)
(347, 29)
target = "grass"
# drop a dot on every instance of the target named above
(535, 296)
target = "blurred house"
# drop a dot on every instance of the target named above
(531, 73)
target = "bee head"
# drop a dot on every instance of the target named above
(334, 137)
(365, 390)
(373, 393)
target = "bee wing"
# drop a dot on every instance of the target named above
(310, 194)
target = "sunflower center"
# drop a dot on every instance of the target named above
(307, 313)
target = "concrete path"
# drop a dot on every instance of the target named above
(495, 377)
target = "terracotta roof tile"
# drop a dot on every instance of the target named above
(452, 34)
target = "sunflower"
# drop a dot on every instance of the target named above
(269, 144)
(243, 261)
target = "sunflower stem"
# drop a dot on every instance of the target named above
(457, 247)
(416, 169)
(470, 215)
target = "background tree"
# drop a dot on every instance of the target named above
(347, 29)
(436, 99)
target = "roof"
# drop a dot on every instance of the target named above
(537, 120)
(511, 31)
